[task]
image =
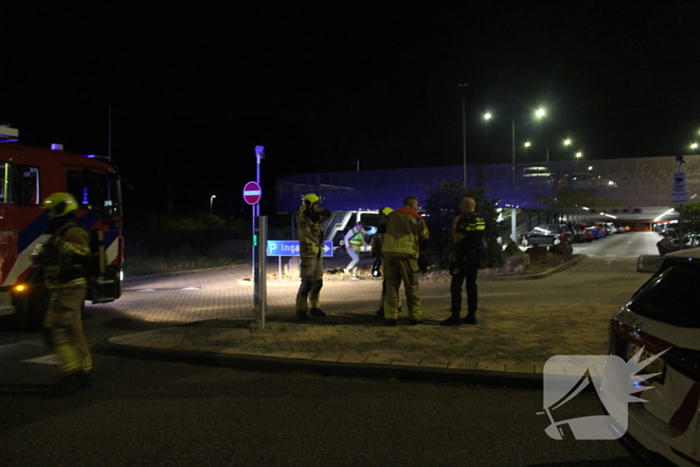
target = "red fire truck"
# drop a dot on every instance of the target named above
(27, 176)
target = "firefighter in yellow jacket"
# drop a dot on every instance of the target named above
(309, 218)
(64, 260)
(403, 251)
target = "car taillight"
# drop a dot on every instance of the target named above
(684, 361)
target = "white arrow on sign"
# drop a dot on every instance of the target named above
(325, 248)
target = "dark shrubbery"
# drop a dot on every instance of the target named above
(442, 206)
(164, 242)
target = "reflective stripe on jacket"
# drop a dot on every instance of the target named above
(310, 233)
(404, 231)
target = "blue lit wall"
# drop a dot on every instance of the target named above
(639, 182)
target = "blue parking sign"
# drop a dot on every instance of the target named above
(291, 248)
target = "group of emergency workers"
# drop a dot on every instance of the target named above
(401, 245)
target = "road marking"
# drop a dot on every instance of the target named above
(45, 360)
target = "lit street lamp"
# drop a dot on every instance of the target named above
(529, 144)
(540, 113)
(567, 142)
(211, 205)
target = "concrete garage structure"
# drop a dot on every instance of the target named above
(631, 191)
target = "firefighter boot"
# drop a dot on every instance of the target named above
(317, 312)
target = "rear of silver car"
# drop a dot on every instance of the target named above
(664, 314)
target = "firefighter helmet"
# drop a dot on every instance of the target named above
(60, 204)
(312, 198)
(386, 211)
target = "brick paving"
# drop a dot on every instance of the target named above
(521, 322)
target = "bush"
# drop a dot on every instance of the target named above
(442, 206)
(166, 242)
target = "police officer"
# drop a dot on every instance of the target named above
(467, 234)
(403, 250)
(308, 219)
(64, 261)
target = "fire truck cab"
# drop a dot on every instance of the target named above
(27, 176)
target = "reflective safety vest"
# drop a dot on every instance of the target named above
(357, 238)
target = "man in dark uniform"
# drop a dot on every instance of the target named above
(468, 235)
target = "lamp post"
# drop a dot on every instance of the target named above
(463, 87)
(566, 142)
(211, 205)
(539, 113)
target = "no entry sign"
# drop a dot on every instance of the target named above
(252, 193)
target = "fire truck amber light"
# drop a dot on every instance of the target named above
(20, 288)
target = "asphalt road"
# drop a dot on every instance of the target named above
(624, 244)
(155, 413)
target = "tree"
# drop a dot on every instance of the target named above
(442, 206)
(691, 218)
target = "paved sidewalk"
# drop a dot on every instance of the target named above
(521, 325)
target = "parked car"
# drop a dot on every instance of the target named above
(583, 180)
(547, 234)
(595, 233)
(609, 228)
(578, 232)
(663, 316)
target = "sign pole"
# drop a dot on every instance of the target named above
(680, 195)
(261, 283)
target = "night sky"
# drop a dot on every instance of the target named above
(193, 88)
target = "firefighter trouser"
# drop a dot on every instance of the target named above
(65, 329)
(311, 270)
(397, 270)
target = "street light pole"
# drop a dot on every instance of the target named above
(211, 205)
(463, 87)
(539, 113)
